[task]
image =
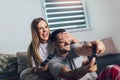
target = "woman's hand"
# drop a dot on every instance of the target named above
(67, 35)
(40, 69)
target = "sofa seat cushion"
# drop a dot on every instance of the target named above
(8, 75)
(8, 65)
(15, 77)
(106, 60)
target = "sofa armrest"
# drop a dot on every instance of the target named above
(22, 61)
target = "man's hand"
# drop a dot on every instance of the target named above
(89, 67)
(100, 47)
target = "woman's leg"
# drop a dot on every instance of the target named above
(28, 74)
(111, 72)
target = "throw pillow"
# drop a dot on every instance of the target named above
(110, 46)
(8, 63)
(8, 66)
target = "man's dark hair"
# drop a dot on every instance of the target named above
(54, 33)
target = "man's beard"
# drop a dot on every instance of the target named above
(65, 51)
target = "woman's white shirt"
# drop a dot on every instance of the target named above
(43, 51)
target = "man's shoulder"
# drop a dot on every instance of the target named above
(55, 59)
(55, 63)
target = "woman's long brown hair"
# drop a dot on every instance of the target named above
(34, 45)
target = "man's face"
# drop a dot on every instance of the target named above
(63, 44)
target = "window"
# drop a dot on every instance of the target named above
(67, 14)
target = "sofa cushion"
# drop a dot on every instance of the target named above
(110, 46)
(22, 61)
(9, 76)
(106, 60)
(8, 63)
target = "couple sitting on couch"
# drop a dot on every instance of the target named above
(64, 65)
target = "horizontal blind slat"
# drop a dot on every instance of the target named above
(71, 27)
(59, 0)
(64, 2)
(67, 24)
(59, 5)
(72, 21)
(65, 12)
(68, 14)
(65, 17)
(63, 7)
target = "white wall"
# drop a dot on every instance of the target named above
(15, 20)
(16, 17)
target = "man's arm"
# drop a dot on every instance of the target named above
(79, 72)
(72, 74)
(86, 49)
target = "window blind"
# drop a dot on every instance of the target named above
(67, 14)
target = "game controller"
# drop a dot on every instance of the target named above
(47, 60)
(94, 54)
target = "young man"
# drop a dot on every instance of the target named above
(67, 63)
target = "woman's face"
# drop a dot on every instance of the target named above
(43, 31)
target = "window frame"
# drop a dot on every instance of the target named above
(88, 27)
